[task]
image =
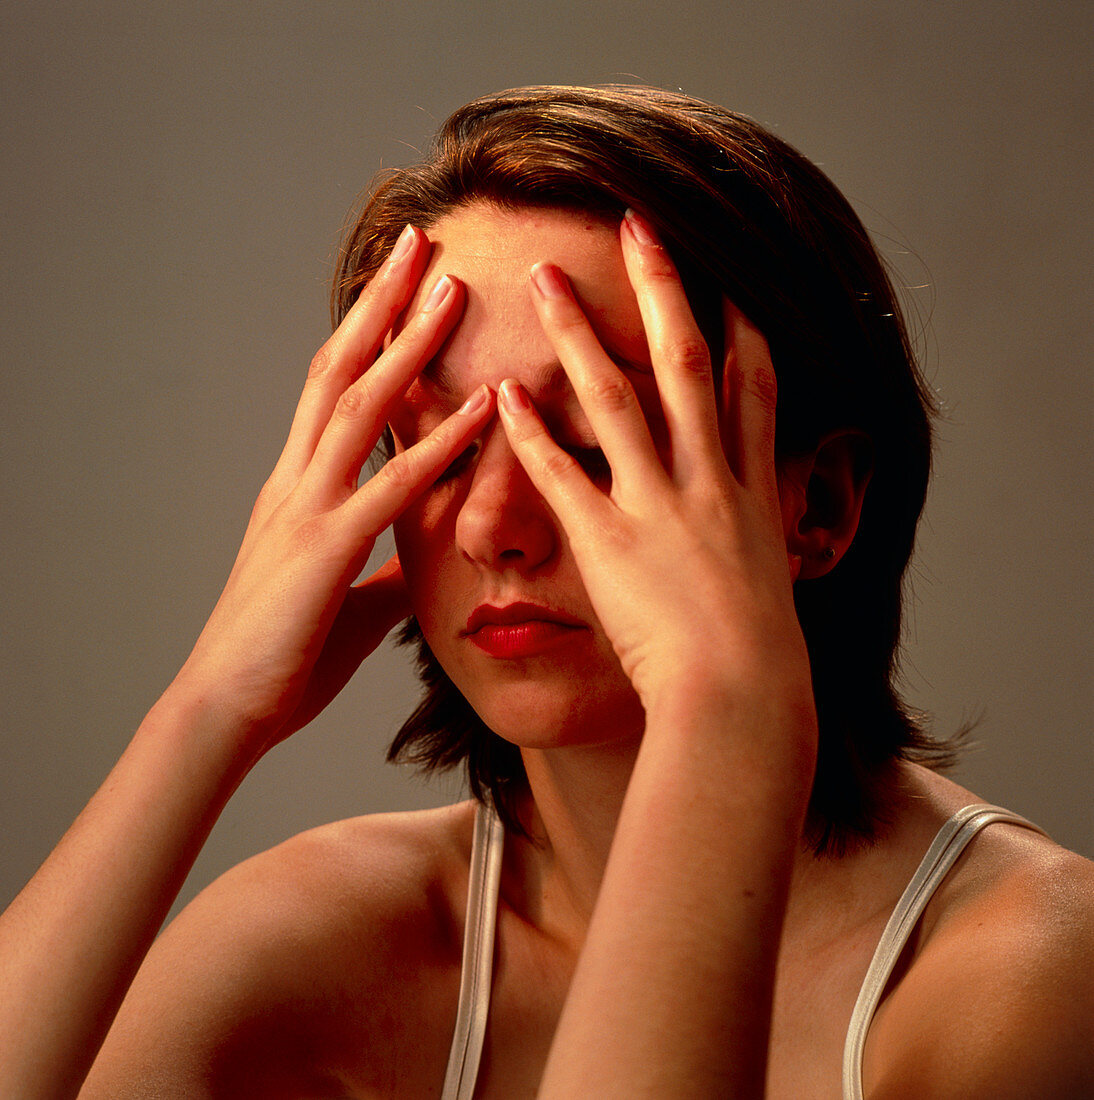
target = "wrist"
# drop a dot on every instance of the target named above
(200, 722)
(765, 736)
(777, 689)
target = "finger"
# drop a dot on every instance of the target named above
(681, 358)
(352, 348)
(606, 396)
(750, 394)
(557, 476)
(361, 412)
(384, 497)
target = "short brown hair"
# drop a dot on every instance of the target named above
(748, 217)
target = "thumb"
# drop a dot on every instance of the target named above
(366, 616)
(382, 598)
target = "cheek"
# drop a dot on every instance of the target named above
(423, 539)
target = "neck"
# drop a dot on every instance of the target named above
(575, 797)
(576, 794)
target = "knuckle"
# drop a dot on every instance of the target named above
(353, 403)
(689, 353)
(374, 297)
(558, 465)
(611, 392)
(269, 496)
(322, 363)
(763, 384)
(399, 472)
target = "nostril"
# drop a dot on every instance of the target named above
(511, 555)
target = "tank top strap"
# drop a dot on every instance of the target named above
(943, 853)
(476, 970)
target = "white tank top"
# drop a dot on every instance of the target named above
(482, 906)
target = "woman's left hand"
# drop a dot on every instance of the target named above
(685, 557)
(685, 562)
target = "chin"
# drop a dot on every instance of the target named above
(537, 715)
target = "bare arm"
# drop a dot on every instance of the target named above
(672, 993)
(287, 633)
(676, 976)
(73, 939)
(688, 559)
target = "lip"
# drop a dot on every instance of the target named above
(519, 629)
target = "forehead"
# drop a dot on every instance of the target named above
(492, 250)
(485, 239)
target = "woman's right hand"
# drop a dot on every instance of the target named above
(291, 626)
(287, 632)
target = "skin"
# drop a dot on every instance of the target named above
(487, 535)
(665, 890)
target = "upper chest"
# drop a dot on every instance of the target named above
(817, 985)
(816, 988)
(397, 1043)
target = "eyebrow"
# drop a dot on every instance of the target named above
(550, 378)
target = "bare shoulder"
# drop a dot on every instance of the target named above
(998, 999)
(333, 941)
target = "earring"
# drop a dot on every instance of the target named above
(828, 554)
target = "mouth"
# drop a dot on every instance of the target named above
(519, 629)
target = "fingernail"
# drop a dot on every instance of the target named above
(514, 397)
(641, 230)
(550, 281)
(441, 289)
(475, 403)
(402, 246)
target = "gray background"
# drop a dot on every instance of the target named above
(174, 181)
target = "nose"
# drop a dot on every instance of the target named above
(503, 522)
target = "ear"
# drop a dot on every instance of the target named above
(821, 496)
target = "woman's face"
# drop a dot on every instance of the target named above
(492, 581)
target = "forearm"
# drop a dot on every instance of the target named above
(288, 631)
(72, 940)
(672, 993)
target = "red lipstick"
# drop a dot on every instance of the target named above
(519, 629)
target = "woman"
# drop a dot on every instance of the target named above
(657, 608)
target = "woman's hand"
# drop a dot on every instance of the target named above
(685, 557)
(288, 631)
(685, 562)
(291, 626)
